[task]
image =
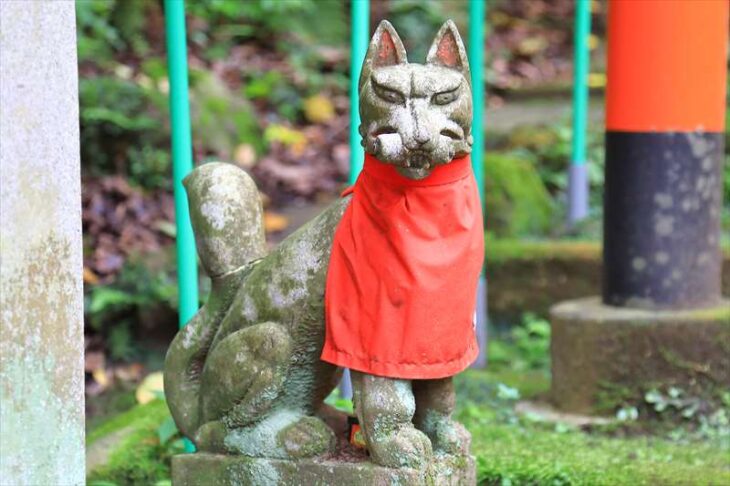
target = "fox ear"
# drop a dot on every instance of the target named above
(447, 50)
(386, 49)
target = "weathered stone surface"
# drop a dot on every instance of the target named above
(217, 469)
(416, 116)
(41, 298)
(597, 348)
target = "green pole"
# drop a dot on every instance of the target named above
(360, 22)
(476, 62)
(182, 156)
(359, 37)
(578, 176)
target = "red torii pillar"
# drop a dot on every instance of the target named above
(661, 312)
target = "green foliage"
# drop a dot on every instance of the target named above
(272, 88)
(527, 347)
(517, 203)
(109, 26)
(548, 149)
(113, 309)
(223, 120)
(122, 130)
(97, 38)
(518, 450)
(227, 21)
(140, 458)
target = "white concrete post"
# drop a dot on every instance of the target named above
(41, 294)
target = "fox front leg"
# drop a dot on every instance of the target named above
(385, 408)
(435, 402)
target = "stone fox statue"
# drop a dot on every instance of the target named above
(248, 374)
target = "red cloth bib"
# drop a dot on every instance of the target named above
(402, 279)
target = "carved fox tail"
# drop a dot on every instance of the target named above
(227, 218)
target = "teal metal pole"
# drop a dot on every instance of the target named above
(578, 176)
(359, 37)
(182, 156)
(360, 20)
(476, 62)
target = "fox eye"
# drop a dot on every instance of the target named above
(389, 95)
(445, 97)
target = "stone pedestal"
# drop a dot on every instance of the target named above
(601, 352)
(347, 468)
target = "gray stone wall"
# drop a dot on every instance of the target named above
(41, 300)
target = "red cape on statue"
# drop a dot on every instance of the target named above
(402, 280)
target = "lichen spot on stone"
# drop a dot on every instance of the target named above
(664, 225)
(248, 309)
(404, 394)
(638, 264)
(708, 163)
(290, 284)
(690, 204)
(703, 258)
(214, 214)
(663, 200)
(189, 336)
(263, 473)
(661, 257)
(698, 144)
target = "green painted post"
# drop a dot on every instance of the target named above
(360, 26)
(182, 156)
(182, 162)
(476, 62)
(359, 39)
(578, 176)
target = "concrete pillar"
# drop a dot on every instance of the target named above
(41, 299)
(661, 319)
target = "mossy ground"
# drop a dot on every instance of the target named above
(509, 450)
(138, 458)
(513, 450)
(529, 455)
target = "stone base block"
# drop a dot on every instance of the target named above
(600, 353)
(202, 469)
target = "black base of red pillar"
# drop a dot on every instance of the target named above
(662, 209)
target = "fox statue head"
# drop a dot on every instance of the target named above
(416, 116)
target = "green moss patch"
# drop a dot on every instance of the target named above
(528, 455)
(138, 458)
(499, 250)
(516, 200)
